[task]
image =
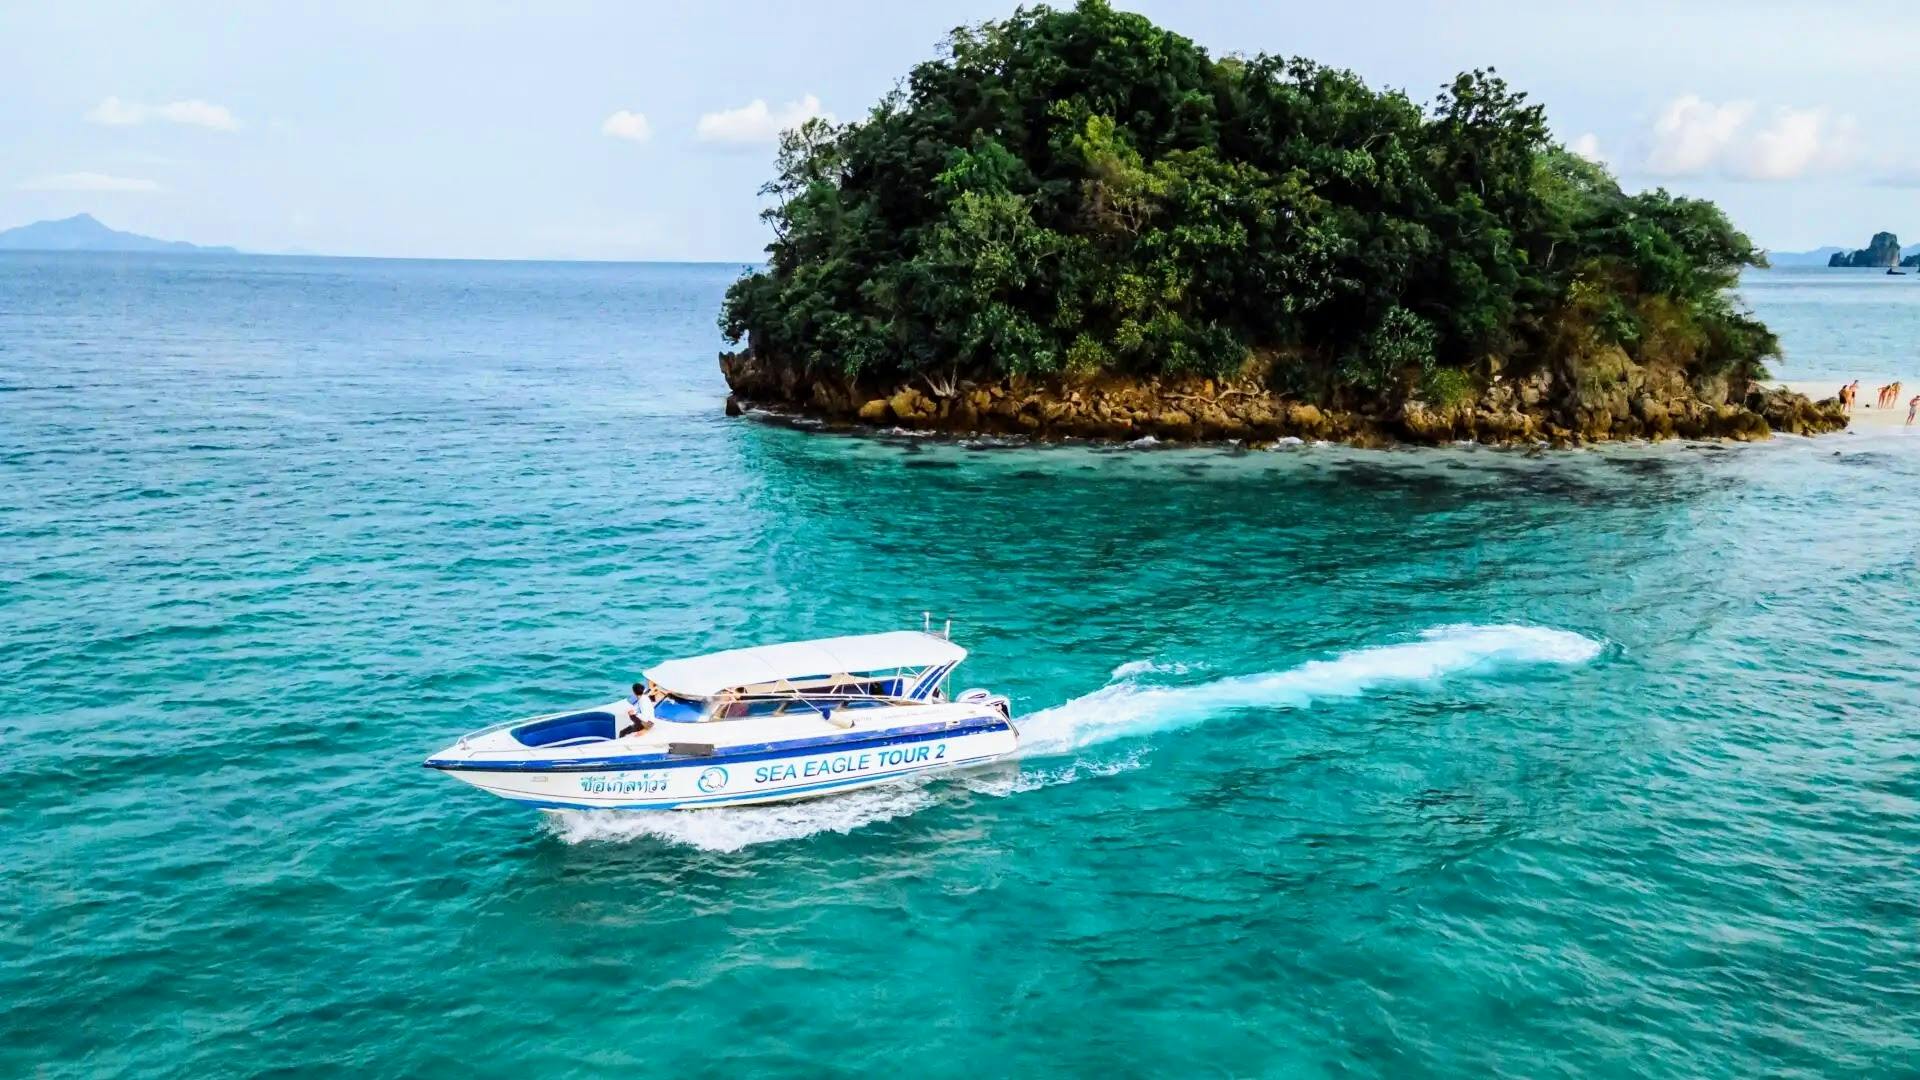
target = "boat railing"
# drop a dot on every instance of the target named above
(817, 700)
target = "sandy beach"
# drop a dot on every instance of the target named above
(1864, 413)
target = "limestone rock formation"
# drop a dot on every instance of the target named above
(1882, 250)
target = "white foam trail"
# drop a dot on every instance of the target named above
(733, 828)
(1001, 784)
(1124, 707)
(1133, 668)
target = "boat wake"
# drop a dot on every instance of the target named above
(1130, 706)
(1133, 703)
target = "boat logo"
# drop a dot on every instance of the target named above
(711, 780)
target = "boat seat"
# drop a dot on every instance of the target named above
(568, 730)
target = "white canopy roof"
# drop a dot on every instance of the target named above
(705, 676)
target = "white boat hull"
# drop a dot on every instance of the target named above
(738, 779)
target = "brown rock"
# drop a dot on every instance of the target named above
(1422, 422)
(1306, 419)
(910, 404)
(1654, 415)
(1750, 426)
(1174, 424)
(1534, 390)
(1711, 389)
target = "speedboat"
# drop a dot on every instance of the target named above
(757, 725)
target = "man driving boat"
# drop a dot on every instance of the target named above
(640, 709)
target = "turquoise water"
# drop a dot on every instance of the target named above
(1454, 762)
(1839, 325)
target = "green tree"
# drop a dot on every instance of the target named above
(1081, 189)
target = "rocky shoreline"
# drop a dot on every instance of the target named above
(1628, 402)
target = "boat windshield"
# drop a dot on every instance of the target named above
(676, 709)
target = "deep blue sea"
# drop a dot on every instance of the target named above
(1454, 762)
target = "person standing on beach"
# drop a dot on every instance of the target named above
(1912, 405)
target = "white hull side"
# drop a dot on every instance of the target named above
(720, 781)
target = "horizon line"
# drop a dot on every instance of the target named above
(205, 251)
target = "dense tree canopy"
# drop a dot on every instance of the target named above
(1081, 190)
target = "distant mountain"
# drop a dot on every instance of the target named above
(1816, 257)
(1824, 256)
(83, 232)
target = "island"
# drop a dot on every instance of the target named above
(1882, 251)
(84, 232)
(1075, 223)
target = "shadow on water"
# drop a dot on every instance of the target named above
(1138, 486)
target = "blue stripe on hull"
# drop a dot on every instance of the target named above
(750, 797)
(752, 752)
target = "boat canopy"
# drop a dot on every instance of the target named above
(804, 661)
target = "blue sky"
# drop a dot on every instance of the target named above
(631, 131)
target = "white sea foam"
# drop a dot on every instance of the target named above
(1032, 777)
(1135, 668)
(1126, 706)
(733, 828)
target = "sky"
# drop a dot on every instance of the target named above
(643, 131)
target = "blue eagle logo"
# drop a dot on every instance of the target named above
(711, 780)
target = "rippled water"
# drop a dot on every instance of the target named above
(1453, 762)
(1839, 325)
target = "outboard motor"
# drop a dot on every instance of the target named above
(998, 702)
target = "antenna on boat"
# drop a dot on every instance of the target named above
(926, 622)
(947, 630)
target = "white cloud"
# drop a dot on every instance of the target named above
(87, 181)
(1691, 136)
(1797, 141)
(1695, 137)
(1588, 146)
(194, 112)
(628, 125)
(755, 122)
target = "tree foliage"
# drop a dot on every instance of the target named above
(1080, 190)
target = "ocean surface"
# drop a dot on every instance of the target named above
(1452, 762)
